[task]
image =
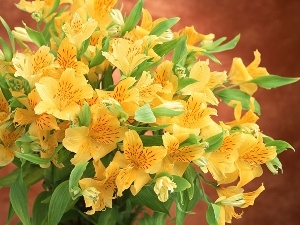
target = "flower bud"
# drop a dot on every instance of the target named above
(162, 187)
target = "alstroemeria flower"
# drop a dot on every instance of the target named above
(252, 154)
(67, 58)
(8, 136)
(77, 31)
(126, 55)
(178, 158)
(4, 109)
(97, 140)
(33, 67)
(60, 98)
(136, 162)
(104, 187)
(239, 73)
(231, 197)
(125, 94)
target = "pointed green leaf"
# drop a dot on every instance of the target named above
(182, 184)
(234, 94)
(40, 209)
(58, 203)
(228, 46)
(54, 7)
(166, 47)
(8, 54)
(213, 214)
(212, 57)
(151, 140)
(75, 176)
(9, 32)
(183, 82)
(84, 117)
(161, 27)
(134, 17)
(148, 198)
(274, 165)
(99, 58)
(36, 37)
(214, 142)
(108, 217)
(19, 199)
(273, 81)
(144, 114)
(180, 52)
(280, 145)
(162, 111)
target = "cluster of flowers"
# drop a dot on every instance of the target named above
(98, 90)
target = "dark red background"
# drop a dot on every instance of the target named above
(272, 27)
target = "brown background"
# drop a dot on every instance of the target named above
(272, 27)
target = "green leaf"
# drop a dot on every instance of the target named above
(34, 158)
(161, 27)
(9, 179)
(10, 35)
(99, 58)
(163, 111)
(75, 176)
(148, 198)
(156, 219)
(213, 214)
(151, 140)
(58, 203)
(84, 117)
(274, 165)
(144, 114)
(234, 94)
(19, 199)
(36, 36)
(108, 217)
(8, 54)
(180, 52)
(214, 142)
(166, 47)
(182, 184)
(134, 17)
(183, 82)
(228, 46)
(280, 145)
(190, 175)
(40, 209)
(212, 57)
(54, 7)
(273, 81)
(152, 128)
(145, 66)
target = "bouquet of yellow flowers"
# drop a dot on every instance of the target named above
(117, 115)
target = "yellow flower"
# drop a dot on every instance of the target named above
(252, 153)
(98, 192)
(67, 58)
(99, 10)
(136, 162)
(167, 79)
(231, 197)
(41, 125)
(196, 115)
(97, 140)
(178, 158)
(147, 89)
(59, 98)
(125, 94)
(239, 73)
(4, 109)
(8, 136)
(77, 31)
(222, 161)
(33, 67)
(126, 55)
(162, 187)
(201, 72)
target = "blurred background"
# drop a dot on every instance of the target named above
(272, 27)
